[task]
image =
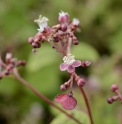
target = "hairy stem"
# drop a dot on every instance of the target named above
(17, 76)
(87, 105)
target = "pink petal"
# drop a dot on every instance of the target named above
(61, 97)
(87, 63)
(69, 103)
(77, 63)
(70, 69)
(63, 66)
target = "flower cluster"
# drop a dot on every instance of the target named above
(57, 35)
(61, 37)
(69, 63)
(115, 89)
(67, 100)
(6, 68)
(42, 22)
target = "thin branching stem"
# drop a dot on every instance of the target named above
(18, 77)
(87, 105)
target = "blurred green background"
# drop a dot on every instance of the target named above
(100, 42)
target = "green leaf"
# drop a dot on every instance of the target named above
(63, 119)
(83, 51)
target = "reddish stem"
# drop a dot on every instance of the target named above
(17, 76)
(87, 104)
(69, 45)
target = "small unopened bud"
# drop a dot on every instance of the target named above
(35, 45)
(56, 39)
(85, 63)
(47, 29)
(21, 62)
(30, 40)
(39, 45)
(114, 87)
(63, 27)
(74, 38)
(67, 84)
(58, 26)
(34, 51)
(43, 38)
(63, 87)
(110, 100)
(81, 82)
(38, 36)
(75, 42)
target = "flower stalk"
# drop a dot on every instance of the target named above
(17, 76)
(87, 105)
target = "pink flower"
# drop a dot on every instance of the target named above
(69, 63)
(63, 17)
(67, 101)
(42, 22)
(75, 22)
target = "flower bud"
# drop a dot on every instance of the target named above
(34, 51)
(47, 29)
(74, 38)
(35, 45)
(63, 27)
(67, 84)
(81, 82)
(63, 87)
(114, 87)
(110, 100)
(21, 62)
(75, 42)
(56, 39)
(38, 37)
(75, 22)
(63, 17)
(30, 40)
(85, 63)
(39, 45)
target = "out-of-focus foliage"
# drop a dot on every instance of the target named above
(100, 42)
(77, 114)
